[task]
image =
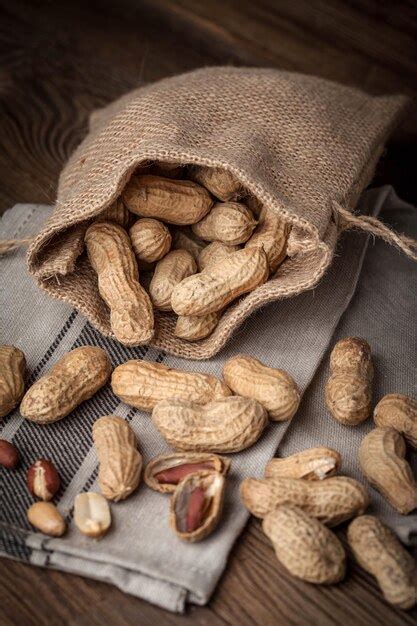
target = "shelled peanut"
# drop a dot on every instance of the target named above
(9, 455)
(43, 479)
(92, 514)
(44, 516)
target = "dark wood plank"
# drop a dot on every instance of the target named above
(59, 61)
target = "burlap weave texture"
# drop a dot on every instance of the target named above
(300, 144)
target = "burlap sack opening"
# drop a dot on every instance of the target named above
(303, 146)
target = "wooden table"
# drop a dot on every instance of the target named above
(59, 61)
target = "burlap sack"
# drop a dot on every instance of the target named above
(304, 146)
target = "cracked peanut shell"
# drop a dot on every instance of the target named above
(311, 464)
(196, 505)
(164, 472)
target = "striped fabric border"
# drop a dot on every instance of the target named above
(66, 442)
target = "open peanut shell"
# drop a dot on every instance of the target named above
(165, 471)
(196, 505)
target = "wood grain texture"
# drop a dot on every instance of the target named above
(59, 61)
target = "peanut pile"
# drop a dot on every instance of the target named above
(202, 418)
(198, 245)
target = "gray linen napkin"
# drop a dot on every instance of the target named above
(141, 555)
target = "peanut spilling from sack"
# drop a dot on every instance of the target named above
(120, 461)
(273, 388)
(383, 463)
(169, 272)
(229, 222)
(143, 384)
(379, 552)
(172, 201)
(12, 383)
(151, 239)
(213, 253)
(219, 284)
(221, 183)
(111, 255)
(349, 388)
(75, 378)
(211, 243)
(272, 235)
